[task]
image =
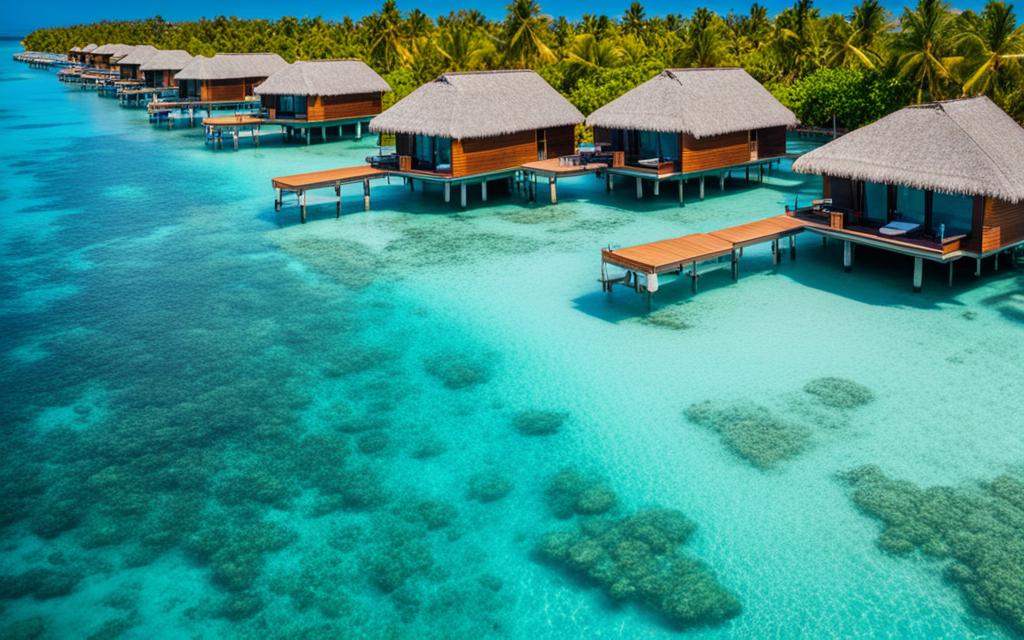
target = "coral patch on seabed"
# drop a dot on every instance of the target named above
(571, 492)
(637, 558)
(751, 431)
(840, 393)
(539, 422)
(978, 531)
(457, 370)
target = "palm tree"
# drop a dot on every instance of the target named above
(852, 44)
(588, 54)
(524, 34)
(994, 45)
(706, 44)
(463, 46)
(387, 37)
(924, 48)
(634, 20)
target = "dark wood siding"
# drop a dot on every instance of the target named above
(237, 89)
(561, 141)
(481, 155)
(771, 142)
(715, 152)
(338, 107)
(404, 143)
(1003, 224)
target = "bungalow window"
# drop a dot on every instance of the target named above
(952, 210)
(292, 106)
(876, 198)
(910, 204)
(432, 153)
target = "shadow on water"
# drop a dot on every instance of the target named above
(1010, 303)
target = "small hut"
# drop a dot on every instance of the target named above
(75, 54)
(939, 182)
(108, 56)
(226, 76)
(84, 55)
(130, 65)
(471, 124)
(692, 122)
(324, 94)
(158, 71)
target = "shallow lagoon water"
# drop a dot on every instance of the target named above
(181, 366)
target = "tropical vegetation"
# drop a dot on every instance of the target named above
(848, 69)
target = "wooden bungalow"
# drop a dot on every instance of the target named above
(78, 55)
(108, 55)
(938, 182)
(159, 70)
(322, 95)
(226, 76)
(130, 65)
(690, 123)
(472, 127)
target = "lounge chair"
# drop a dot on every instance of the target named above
(898, 228)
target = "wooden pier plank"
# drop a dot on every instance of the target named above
(327, 178)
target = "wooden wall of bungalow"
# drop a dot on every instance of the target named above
(160, 78)
(131, 72)
(324, 108)
(101, 61)
(474, 156)
(710, 152)
(219, 90)
(994, 223)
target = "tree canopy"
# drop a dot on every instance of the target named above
(856, 66)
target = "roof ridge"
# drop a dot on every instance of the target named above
(1005, 179)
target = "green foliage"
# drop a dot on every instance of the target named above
(929, 53)
(751, 431)
(979, 532)
(839, 393)
(854, 96)
(637, 559)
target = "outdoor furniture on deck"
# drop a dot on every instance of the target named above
(898, 228)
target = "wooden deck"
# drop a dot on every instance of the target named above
(330, 177)
(232, 121)
(554, 167)
(672, 255)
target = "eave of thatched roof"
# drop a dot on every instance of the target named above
(323, 78)
(478, 105)
(232, 66)
(75, 49)
(968, 146)
(139, 54)
(113, 50)
(700, 102)
(168, 60)
(89, 48)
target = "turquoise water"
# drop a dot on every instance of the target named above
(220, 422)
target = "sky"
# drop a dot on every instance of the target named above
(18, 17)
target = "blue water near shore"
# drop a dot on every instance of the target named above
(220, 422)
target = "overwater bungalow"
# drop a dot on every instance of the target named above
(226, 76)
(130, 65)
(938, 182)
(691, 123)
(78, 54)
(474, 127)
(108, 55)
(323, 96)
(159, 70)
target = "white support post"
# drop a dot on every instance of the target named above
(681, 200)
(277, 199)
(447, 191)
(609, 183)
(483, 191)
(323, 134)
(702, 187)
(462, 195)
(657, 187)
(302, 207)
(721, 181)
(307, 136)
(847, 256)
(234, 135)
(337, 192)
(366, 194)
(639, 188)
(359, 130)
(918, 274)
(553, 189)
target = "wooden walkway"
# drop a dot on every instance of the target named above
(676, 255)
(300, 183)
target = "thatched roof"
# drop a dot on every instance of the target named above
(323, 78)
(76, 49)
(115, 51)
(700, 102)
(89, 48)
(169, 60)
(478, 105)
(138, 55)
(232, 66)
(967, 146)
